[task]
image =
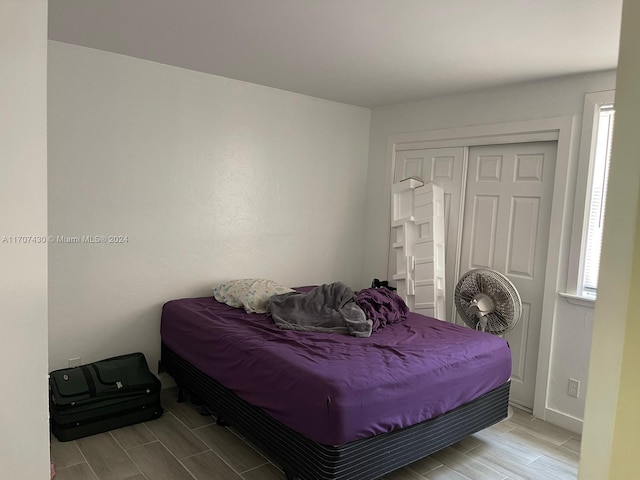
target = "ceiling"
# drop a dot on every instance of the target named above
(360, 52)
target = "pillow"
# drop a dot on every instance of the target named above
(252, 294)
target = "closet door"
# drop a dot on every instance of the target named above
(444, 167)
(506, 227)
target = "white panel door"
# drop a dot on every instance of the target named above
(444, 167)
(506, 227)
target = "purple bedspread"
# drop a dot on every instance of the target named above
(337, 388)
(382, 306)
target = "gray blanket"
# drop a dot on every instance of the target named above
(328, 308)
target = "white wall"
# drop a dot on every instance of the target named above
(24, 427)
(536, 100)
(611, 442)
(571, 349)
(209, 178)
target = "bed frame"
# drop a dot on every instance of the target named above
(363, 459)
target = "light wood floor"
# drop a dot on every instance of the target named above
(183, 445)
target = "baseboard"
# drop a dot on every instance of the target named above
(166, 380)
(563, 420)
(520, 407)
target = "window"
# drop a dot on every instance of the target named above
(600, 157)
(591, 194)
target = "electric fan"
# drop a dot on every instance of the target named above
(487, 301)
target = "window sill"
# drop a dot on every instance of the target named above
(578, 299)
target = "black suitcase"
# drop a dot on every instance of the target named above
(101, 396)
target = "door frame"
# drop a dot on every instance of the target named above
(551, 129)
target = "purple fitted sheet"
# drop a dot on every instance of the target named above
(336, 388)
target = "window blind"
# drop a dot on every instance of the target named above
(600, 175)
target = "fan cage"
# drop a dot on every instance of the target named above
(507, 303)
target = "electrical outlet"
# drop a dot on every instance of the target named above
(74, 362)
(574, 388)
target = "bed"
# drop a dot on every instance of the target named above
(331, 406)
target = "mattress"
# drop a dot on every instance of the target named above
(334, 388)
